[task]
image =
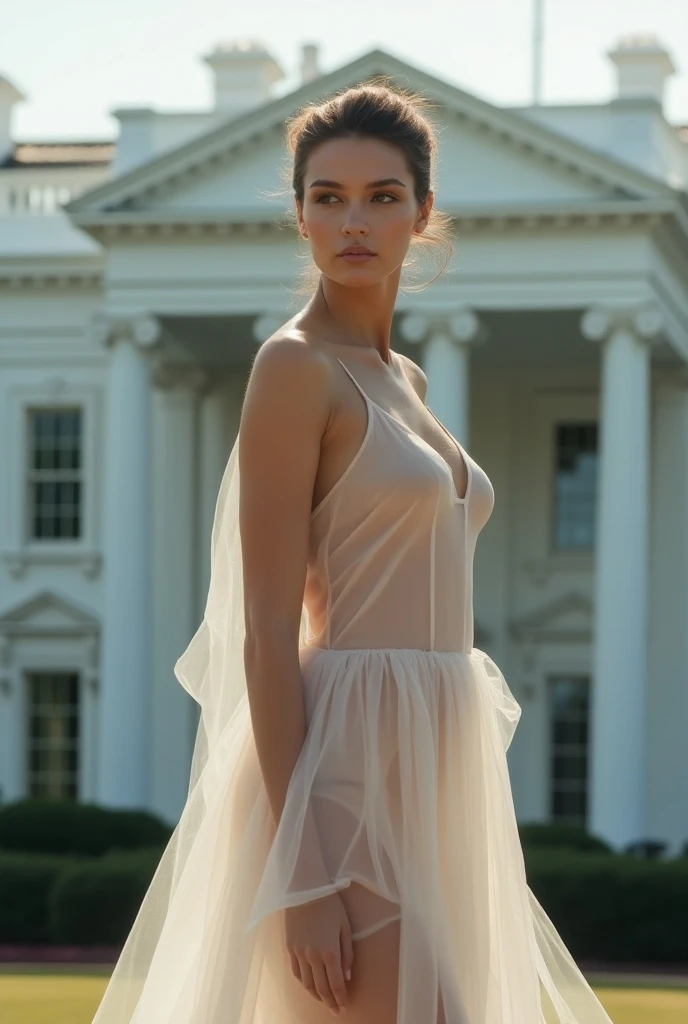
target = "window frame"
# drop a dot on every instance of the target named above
(31, 474)
(561, 421)
(19, 550)
(534, 482)
(53, 636)
(27, 674)
(550, 681)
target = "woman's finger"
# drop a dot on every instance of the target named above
(347, 949)
(322, 985)
(307, 979)
(295, 967)
(335, 976)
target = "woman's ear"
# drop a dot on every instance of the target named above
(299, 217)
(424, 211)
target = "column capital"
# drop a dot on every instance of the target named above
(460, 323)
(644, 319)
(143, 330)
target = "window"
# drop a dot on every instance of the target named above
(569, 710)
(575, 486)
(53, 735)
(55, 474)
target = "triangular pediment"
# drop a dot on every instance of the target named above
(566, 619)
(47, 613)
(487, 155)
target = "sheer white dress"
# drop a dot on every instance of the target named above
(402, 785)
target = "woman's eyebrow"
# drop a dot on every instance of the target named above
(373, 184)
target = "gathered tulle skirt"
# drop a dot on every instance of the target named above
(402, 789)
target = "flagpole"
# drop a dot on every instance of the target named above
(537, 51)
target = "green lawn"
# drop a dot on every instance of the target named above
(43, 998)
(49, 998)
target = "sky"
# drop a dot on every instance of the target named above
(77, 60)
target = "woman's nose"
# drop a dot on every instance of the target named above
(355, 223)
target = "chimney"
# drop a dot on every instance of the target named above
(244, 75)
(642, 67)
(310, 68)
(9, 95)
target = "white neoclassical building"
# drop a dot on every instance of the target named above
(137, 279)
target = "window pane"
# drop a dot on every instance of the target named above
(53, 734)
(569, 807)
(575, 486)
(570, 732)
(569, 712)
(54, 486)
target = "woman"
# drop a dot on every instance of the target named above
(349, 844)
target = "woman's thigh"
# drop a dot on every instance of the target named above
(372, 991)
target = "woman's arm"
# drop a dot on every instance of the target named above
(286, 411)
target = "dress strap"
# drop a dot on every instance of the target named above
(365, 397)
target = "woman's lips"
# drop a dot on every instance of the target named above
(357, 257)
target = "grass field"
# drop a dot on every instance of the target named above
(43, 998)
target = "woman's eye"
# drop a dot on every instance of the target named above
(378, 195)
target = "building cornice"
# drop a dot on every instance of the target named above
(163, 223)
(148, 227)
(59, 273)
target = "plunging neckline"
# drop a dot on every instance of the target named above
(414, 433)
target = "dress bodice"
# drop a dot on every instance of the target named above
(391, 544)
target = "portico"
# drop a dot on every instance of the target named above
(482, 366)
(566, 304)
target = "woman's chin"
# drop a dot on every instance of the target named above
(355, 274)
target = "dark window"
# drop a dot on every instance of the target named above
(55, 474)
(569, 719)
(575, 486)
(53, 735)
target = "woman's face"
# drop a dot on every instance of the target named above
(359, 192)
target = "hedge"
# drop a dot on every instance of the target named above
(26, 882)
(606, 906)
(616, 907)
(68, 827)
(561, 834)
(95, 902)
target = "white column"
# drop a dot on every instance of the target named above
(125, 694)
(617, 734)
(667, 687)
(447, 340)
(178, 388)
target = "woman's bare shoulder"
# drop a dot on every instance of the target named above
(283, 348)
(287, 370)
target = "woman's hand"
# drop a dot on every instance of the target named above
(318, 936)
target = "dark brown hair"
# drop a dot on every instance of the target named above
(379, 110)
